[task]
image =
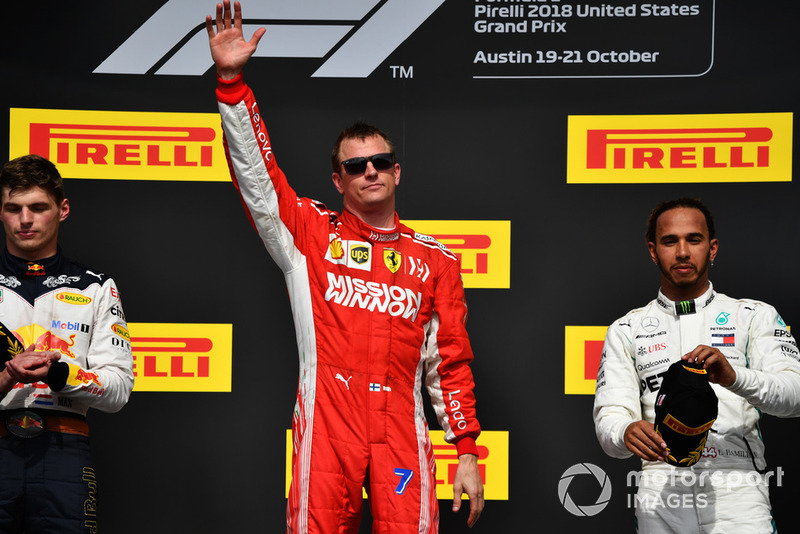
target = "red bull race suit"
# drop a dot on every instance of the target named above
(727, 489)
(378, 314)
(47, 481)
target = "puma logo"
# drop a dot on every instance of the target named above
(346, 382)
(99, 276)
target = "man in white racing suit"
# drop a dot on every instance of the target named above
(68, 350)
(751, 360)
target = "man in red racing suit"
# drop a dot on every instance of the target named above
(379, 310)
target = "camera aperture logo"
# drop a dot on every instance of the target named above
(584, 469)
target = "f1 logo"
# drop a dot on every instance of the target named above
(362, 39)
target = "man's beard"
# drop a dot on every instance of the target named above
(700, 270)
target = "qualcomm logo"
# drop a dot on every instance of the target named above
(360, 34)
(602, 499)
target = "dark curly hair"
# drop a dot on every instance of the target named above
(684, 202)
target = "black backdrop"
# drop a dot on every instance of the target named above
(471, 148)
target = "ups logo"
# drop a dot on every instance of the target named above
(359, 254)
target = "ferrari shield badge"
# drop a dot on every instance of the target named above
(392, 259)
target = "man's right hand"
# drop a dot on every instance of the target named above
(26, 368)
(229, 50)
(642, 440)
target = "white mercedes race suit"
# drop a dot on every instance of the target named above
(729, 485)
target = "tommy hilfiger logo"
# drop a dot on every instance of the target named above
(723, 340)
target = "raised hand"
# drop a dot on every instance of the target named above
(229, 50)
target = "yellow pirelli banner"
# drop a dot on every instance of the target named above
(641, 149)
(492, 464)
(484, 248)
(182, 357)
(122, 145)
(583, 347)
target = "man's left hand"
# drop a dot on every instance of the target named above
(468, 480)
(719, 369)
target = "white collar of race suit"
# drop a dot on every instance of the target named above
(686, 307)
(370, 233)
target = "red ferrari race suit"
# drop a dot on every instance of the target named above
(377, 314)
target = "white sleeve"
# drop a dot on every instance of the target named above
(107, 380)
(771, 381)
(271, 204)
(617, 397)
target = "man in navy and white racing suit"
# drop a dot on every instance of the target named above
(752, 363)
(73, 354)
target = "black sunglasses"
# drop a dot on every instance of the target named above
(381, 162)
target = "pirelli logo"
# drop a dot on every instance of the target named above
(182, 357)
(583, 347)
(673, 423)
(483, 247)
(492, 464)
(680, 148)
(123, 145)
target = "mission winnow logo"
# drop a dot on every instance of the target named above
(355, 36)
